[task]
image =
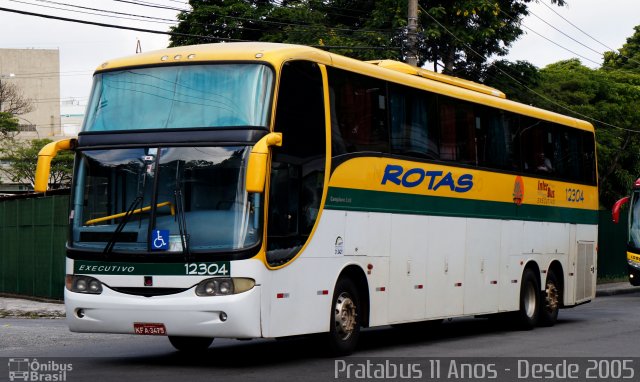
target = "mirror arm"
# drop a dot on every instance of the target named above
(615, 212)
(45, 156)
(257, 165)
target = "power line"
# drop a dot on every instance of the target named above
(89, 13)
(564, 34)
(588, 35)
(176, 33)
(105, 11)
(173, 22)
(575, 26)
(523, 85)
(114, 26)
(548, 39)
(273, 21)
(152, 5)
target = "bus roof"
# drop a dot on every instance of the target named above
(276, 54)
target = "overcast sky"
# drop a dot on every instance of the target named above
(84, 47)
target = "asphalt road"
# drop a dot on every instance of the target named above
(607, 327)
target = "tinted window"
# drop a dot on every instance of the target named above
(414, 126)
(359, 115)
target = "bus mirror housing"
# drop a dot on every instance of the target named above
(45, 156)
(615, 212)
(257, 166)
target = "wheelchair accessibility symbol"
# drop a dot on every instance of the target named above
(160, 239)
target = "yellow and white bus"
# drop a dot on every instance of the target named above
(266, 190)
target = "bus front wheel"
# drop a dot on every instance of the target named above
(190, 344)
(345, 318)
(529, 301)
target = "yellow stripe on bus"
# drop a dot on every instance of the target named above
(400, 176)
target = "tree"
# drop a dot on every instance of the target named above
(628, 57)
(346, 23)
(23, 158)
(9, 125)
(453, 30)
(608, 99)
(12, 103)
(475, 30)
(514, 79)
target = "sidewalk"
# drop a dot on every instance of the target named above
(612, 289)
(11, 307)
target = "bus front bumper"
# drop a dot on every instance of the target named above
(182, 314)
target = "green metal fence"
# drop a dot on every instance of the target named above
(612, 246)
(32, 246)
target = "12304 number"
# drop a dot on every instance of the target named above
(574, 195)
(208, 269)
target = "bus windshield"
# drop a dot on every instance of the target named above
(187, 96)
(196, 195)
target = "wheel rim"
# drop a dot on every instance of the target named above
(552, 297)
(529, 302)
(345, 316)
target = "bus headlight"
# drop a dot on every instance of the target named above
(83, 284)
(224, 286)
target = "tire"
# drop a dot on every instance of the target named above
(635, 280)
(529, 301)
(551, 301)
(345, 318)
(190, 344)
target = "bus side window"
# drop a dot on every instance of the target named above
(359, 109)
(457, 131)
(413, 122)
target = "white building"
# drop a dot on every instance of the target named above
(36, 73)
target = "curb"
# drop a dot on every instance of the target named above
(31, 298)
(617, 291)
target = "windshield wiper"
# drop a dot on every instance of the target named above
(181, 216)
(114, 238)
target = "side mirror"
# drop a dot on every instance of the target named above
(45, 156)
(615, 212)
(257, 166)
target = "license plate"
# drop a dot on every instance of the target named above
(147, 329)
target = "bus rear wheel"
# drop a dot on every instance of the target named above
(552, 300)
(529, 301)
(190, 344)
(345, 318)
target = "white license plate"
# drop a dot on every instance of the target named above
(149, 329)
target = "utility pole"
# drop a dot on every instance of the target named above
(412, 31)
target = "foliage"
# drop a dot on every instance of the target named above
(514, 79)
(12, 103)
(475, 30)
(22, 157)
(346, 23)
(364, 29)
(608, 99)
(9, 125)
(628, 57)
